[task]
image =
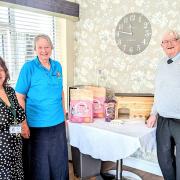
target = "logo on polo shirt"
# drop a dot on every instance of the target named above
(58, 74)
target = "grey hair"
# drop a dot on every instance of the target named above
(42, 36)
(172, 32)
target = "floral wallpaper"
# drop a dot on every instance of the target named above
(98, 59)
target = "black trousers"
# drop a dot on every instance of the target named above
(45, 154)
(48, 153)
(26, 159)
(168, 147)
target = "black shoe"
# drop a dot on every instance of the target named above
(107, 176)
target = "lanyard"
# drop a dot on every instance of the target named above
(15, 127)
(11, 108)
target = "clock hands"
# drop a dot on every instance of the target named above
(130, 27)
(128, 33)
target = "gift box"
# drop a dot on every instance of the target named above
(133, 105)
(99, 96)
(81, 106)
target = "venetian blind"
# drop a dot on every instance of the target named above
(17, 31)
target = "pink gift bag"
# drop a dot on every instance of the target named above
(81, 106)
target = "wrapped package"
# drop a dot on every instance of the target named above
(99, 96)
(81, 105)
(110, 106)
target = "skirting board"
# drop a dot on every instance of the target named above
(143, 165)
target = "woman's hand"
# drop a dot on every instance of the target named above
(25, 130)
(151, 121)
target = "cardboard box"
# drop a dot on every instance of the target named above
(133, 105)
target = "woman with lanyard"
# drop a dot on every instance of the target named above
(11, 117)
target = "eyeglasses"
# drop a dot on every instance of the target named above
(172, 41)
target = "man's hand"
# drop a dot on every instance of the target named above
(151, 121)
(25, 130)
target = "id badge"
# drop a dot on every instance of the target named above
(15, 129)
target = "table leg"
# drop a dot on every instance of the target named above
(120, 174)
(119, 169)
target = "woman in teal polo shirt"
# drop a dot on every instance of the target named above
(40, 91)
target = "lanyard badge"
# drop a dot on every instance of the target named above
(15, 128)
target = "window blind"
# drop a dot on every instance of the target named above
(17, 31)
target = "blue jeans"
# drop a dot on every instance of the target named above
(168, 139)
(48, 153)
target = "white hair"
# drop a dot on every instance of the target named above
(171, 32)
(43, 36)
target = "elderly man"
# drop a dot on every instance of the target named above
(166, 108)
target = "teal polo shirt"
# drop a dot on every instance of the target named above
(43, 90)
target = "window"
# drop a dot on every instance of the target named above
(17, 31)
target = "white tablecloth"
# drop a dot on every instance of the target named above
(111, 141)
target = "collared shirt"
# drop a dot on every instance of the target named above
(167, 89)
(43, 91)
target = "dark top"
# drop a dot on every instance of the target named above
(10, 145)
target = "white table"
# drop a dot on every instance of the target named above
(111, 141)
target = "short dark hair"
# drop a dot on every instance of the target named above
(7, 77)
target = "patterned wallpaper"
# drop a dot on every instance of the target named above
(98, 59)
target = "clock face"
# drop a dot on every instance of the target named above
(133, 33)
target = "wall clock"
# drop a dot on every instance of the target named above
(133, 33)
